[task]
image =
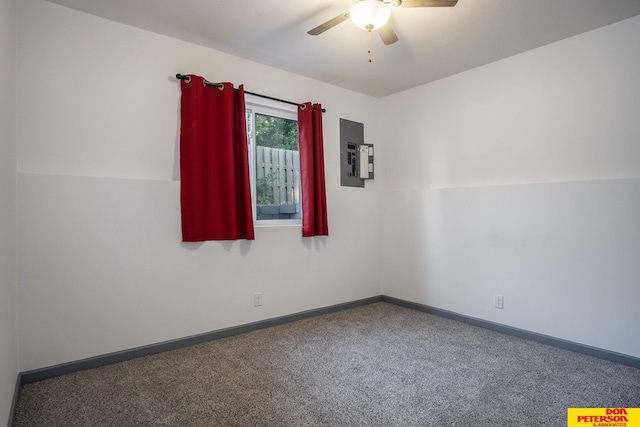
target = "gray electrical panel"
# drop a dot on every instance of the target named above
(356, 157)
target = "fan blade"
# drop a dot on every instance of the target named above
(329, 24)
(428, 3)
(387, 34)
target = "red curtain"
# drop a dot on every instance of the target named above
(314, 195)
(215, 195)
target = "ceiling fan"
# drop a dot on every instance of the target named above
(374, 15)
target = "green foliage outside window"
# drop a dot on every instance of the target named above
(265, 187)
(276, 132)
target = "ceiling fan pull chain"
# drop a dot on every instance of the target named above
(369, 50)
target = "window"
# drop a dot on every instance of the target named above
(274, 161)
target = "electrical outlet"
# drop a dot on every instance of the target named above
(499, 301)
(257, 299)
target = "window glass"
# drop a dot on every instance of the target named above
(275, 164)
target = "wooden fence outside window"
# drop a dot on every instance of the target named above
(278, 183)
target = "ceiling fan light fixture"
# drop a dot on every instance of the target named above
(370, 14)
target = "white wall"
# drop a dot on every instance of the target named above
(100, 264)
(8, 345)
(522, 178)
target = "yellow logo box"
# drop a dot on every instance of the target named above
(603, 417)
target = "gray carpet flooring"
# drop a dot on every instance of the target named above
(375, 365)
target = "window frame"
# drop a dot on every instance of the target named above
(258, 105)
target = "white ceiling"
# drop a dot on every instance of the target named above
(434, 42)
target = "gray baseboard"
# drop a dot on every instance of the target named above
(16, 393)
(120, 356)
(521, 333)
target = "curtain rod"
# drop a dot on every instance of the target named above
(219, 86)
